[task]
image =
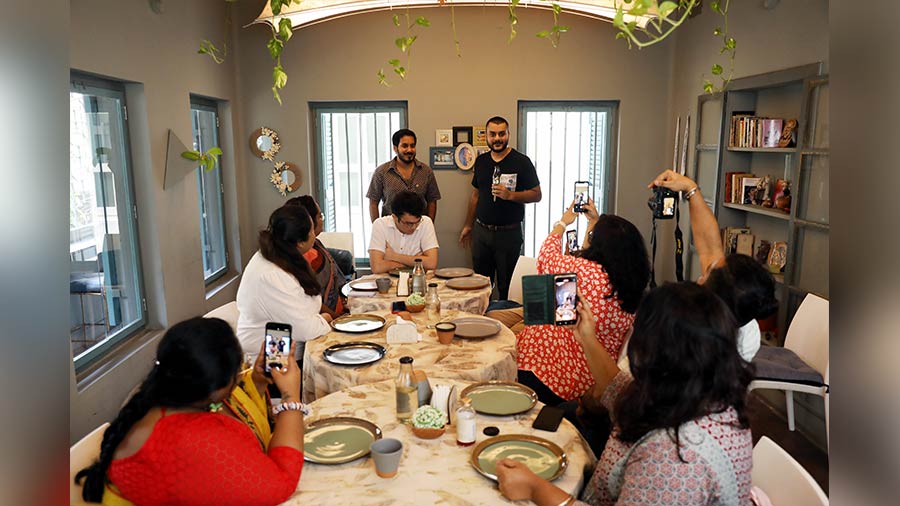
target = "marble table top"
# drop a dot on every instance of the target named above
(492, 358)
(472, 301)
(435, 471)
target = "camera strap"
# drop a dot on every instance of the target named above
(679, 251)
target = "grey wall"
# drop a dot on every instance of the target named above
(338, 61)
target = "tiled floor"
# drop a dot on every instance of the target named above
(766, 421)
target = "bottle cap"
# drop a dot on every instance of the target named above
(432, 285)
(406, 360)
(466, 401)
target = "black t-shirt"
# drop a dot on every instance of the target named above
(514, 167)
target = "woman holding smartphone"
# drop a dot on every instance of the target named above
(278, 284)
(173, 443)
(681, 433)
(613, 270)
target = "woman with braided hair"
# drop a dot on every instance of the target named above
(173, 443)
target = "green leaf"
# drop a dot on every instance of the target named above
(556, 9)
(666, 8)
(717, 69)
(561, 28)
(285, 30)
(707, 86)
(279, 77)
(275, 46)
(619, 19)
(276, 6)
(191, 155)
(621, 35)
(276, 95)
(395, 62)
(400, 42)
(209, 163)
(400, 71)
(730, 43)
(717, 31)
(396, 20)
(423, 21)
(714, 5)
(215, 151)
(543, 34)
(514, 3)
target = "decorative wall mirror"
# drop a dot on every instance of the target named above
(285, 177)
(264, 143)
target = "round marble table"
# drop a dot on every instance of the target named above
(492, 358)
(471, 301)
(435, 471)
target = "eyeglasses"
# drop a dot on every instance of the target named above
(411, 224)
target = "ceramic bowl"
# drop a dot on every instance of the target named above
(418, 308)
(428, 433)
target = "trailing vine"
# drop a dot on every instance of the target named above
(404, 44)
(556, 30)
(729, 46)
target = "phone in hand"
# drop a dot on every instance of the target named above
(571, 241)
(278, 346)
(548, 419)
(581, 195)
(566, 298)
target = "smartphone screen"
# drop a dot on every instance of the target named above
(278, 345)
(566, 285)
(571, 241)
(581, 195)
(548, 419)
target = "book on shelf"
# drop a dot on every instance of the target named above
(748, 190)
(736, 195)
(744, 244)
(771, 132)
(729, 238)
(749, 131)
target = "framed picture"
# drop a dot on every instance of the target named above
(465, 156)
(443, 137)
(777, 257)
(442, 158)
(462, 135)
(480, 137)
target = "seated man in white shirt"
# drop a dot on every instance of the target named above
(399, 239)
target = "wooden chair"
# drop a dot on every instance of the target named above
(782, 478)
(525, 266)
(227, 312)
(81, 455)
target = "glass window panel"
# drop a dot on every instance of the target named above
(813, 193)
(209, 185)
(106, 297)
(813, 266)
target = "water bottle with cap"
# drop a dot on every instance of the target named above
(433, 303)
(407, 390)
(418, 278)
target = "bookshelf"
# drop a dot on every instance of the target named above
(799, 93)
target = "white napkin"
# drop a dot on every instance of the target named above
(403, 332)
(403, 284)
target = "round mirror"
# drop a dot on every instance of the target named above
(285, 177)
(264, 143)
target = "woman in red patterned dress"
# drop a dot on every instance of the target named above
(681, 433)
(613, 271)
(173, 444)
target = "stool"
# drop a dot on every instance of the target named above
(88, 283)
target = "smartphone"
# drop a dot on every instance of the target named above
(397, 306)
(566, 298)
(278, 345)
(548, 419)
(571, 241)
(581, 195)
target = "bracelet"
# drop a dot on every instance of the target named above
(561, 222)
(690, 193)
(290, 406)
(567, 501)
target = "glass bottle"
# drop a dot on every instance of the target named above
(418, 278)
(465, 423)
(407, 390)
(433, 303)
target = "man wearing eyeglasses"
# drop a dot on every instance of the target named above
(399, 239)
(504, 180)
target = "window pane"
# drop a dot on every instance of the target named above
(105, 289)
(209, 185)
(566, 143)
(353, 140)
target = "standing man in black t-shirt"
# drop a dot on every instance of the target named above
(504, 181)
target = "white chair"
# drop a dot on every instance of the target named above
(339, 240)
(81, 455)
(525, 266)
(782, 478)
(802, 365)
(228, 312)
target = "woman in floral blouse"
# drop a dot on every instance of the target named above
(681, 434)
(613, 271)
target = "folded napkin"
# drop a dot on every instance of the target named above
(403, 332)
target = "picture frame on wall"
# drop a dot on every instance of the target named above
(442, 158)
(461, 135)
(464, 156)
(443, 137)
(479, 136)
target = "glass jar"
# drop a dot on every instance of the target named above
(465, 423)
(418, 278)
(433, 303)
(407, 390)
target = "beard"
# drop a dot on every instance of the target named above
(406, 157)
(502, 147)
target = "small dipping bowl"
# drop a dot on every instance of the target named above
(445, 332)
(383, 284)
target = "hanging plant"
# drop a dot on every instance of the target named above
(554, 33)
(206, 160)
(404, 44)
(729, 47)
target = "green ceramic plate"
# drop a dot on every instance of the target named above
(338, 440)
(500, 397)
(543, 457)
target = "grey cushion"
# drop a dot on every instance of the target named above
(781, 364)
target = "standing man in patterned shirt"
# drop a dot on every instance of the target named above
(402, 173)
(504, 180)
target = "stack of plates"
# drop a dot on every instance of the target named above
(500, 397)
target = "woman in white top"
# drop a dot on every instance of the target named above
(278, 284)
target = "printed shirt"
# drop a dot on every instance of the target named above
(552, 352)
(387, 182)
(714, 466)
(515, 169)
(385, 231)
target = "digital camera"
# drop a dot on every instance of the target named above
(663, 203)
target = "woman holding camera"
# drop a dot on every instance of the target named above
(173, 443)
(681, 433)
(613, 271)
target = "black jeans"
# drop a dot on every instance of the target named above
(496, 252)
